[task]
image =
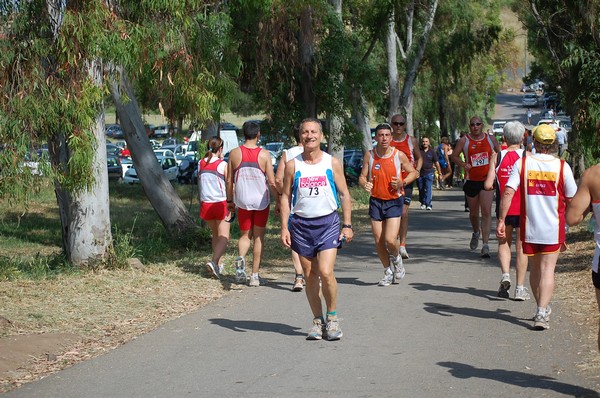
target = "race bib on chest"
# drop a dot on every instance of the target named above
(480, 159)
(312, 186)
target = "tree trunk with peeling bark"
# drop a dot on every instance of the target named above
(161, 194)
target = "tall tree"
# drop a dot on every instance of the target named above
(51, 93)
(563, 36)
(411, 37)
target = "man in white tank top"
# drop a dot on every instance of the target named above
(587, 199)
(311, 186)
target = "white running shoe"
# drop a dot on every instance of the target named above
(388, 277)
(403, 252)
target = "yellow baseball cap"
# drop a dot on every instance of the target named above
(544, 134)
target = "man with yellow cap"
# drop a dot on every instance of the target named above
(547, 185)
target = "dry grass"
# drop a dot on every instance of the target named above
(575, 290)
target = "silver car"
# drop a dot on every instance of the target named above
(167, 163)
(530, 100)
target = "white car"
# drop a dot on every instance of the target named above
(498, 127)
(164, 152)
(167, 163)
(556, 124)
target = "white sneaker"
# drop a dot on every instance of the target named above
(398, 268)
(521, 294)
(254, 281)
(403, 253)
(388, 277)
(240, 269)
(422, 207)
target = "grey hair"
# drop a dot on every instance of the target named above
(513, 132)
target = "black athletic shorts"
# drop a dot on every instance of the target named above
(472, 188)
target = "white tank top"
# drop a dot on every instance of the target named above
(212, 180)
(251, 189)
(313, 191)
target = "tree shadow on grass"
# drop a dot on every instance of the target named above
(520, 379)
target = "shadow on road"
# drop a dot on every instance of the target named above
(246, 326)
(499, 314)
(491, 295)
(521, 379)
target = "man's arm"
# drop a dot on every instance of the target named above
(342, 188)
(580, 205)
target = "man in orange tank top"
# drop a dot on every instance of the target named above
(410, 147)
(477, 147)
(381, 176)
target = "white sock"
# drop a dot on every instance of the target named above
(520, 287)
(506, 276)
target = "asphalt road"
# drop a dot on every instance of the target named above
(442, 332)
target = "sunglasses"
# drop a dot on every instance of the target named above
(475, 124)
(398, 123)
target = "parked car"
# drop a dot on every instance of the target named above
(167, 163)
(126, 164)
(187, 172)
(554, 123)
(353, 160)
(498, 127)
(113, 130)
(155, 144)
(171, 142)
(179, 150)
(164, 152)
(164, 131)
(530, 100)
(112, 149)
(115, 171)
(275, 147)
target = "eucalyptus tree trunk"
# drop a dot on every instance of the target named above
(85, 215)
(392, 63)
(360, 113)
(335, 142)
(306, 49)
(412, 52)
(161, 194)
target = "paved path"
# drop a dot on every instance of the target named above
(441, 333)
